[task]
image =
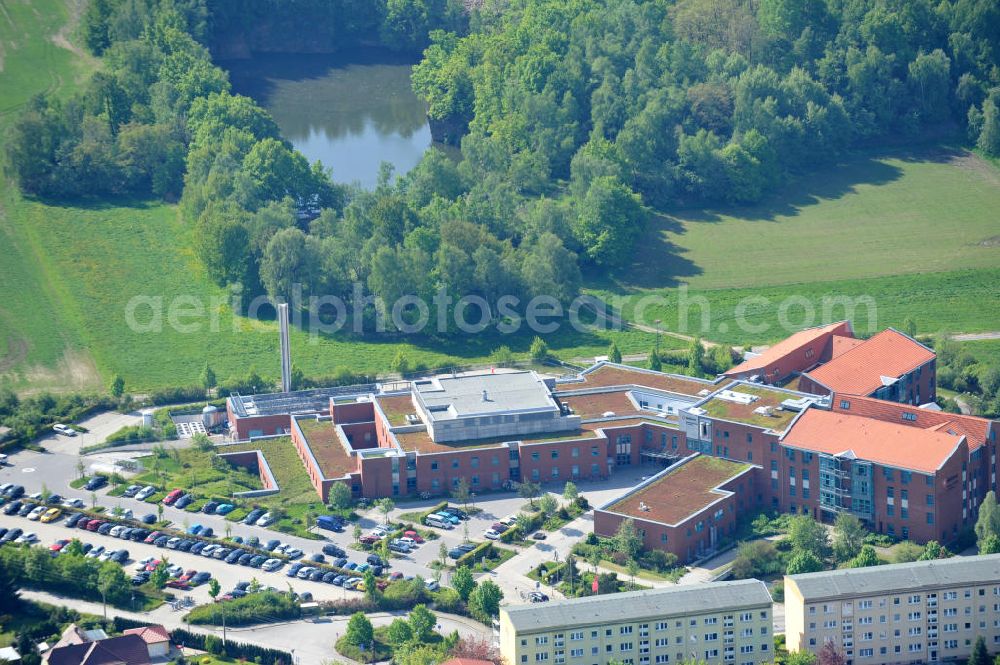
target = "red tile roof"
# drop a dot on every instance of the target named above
(467, 661)
(976, 429)
(790, 345)
(859, 371)
(890, 444)
(150, 634)
(843, 344)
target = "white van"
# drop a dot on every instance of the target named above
(438, 521)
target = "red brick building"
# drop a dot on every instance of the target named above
(686, 509)
(794, 355)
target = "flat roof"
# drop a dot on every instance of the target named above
(887, 443)
(421, 442)
(298, 401)
(899, 578)
(396, 408)
(595, 405)
(725, 405)
(681, 600)
(449, 398)
(321, 437)
(605, 374)
(675, 494)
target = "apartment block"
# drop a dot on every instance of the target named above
(921, 612)
(717, 623)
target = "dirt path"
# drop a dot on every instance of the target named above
(972, 337)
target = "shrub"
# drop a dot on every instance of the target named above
(251, 609)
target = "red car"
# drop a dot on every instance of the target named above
(178, 584)
(57, 546)
(173, 496)
(369, 539)
(153, 536)
(151, 566)
(416, 537)
(186, 577)
(94, 525)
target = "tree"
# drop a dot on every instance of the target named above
(208, 377)
(371, 585)
(910, 327)
(159, 577)
(529, 491)
(214, 588)
(291, 258)
(117, 388)
(980, 655)
(865, 558)
(547, 504)
(907, 551)
(801, 657)
(356, 532)
(359, 631)
(807, 534)
(803, 561)
(539, 350)
(398, 633)
(461, 492)
(109, 578)
(484, 601)
(340, 497)
(696, 356)
(989, 135)
(933, 550)
(400, 363)
(654, 361)
(422, 622)
(385, 506)
(463, 582)
(10, 601)
(443, 553)
(627, 539)
(609, 220)
(570, 491)
(614, 355)
(633, 569)
(988, 522)
(990, 545)
(848, 536)
(830, 654)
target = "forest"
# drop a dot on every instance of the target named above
(575, 119)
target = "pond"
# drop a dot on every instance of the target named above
(351, 112)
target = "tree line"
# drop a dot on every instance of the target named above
(573, 118)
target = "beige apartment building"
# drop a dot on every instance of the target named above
(719, 623)
(921, 612)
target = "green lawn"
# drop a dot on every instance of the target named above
(914, 230)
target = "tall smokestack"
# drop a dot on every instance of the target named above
(286, 354)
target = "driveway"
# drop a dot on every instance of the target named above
(100, 426)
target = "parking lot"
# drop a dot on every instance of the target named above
(55, 468)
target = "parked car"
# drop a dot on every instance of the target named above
(55, 547)
(72, 520)
(362, 567)
(11, 535)
(317, 558)
(399, 547)
(131, 490)
(26, 509)
(145, 492)
(73, 503)
(224, 509)
(271, 544)
(272, 564)
(539, 535)
(210, 507)
(54, 500)
(207, 532)
(491, 535)
(537, 597)
(460, 514)
(257, 561)
(370, 539)
(198, 546)
(438, 521)
(96, 483)
(293, 553)
(332, 550)
(172, 496)
(200, 578)
(140, 578)
(105, 528)
(161, 541)
(175, 570)
(339, 580)
(50, 515)
(148, 518)
(119, 556)
(14, 492)
(172, 543)
(184, 501)
(209, 550)
(12, 508)
(330, 522)
(295, 568)
(95, 552)
(65, 430)
(221, 553)
(36, 513)
(195, 529)
(245, 558)
(432, 585)
(267, 519)
(414, 536)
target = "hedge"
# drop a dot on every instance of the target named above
(439, 507)
(471, 557)
(236, 650)
(254, 608)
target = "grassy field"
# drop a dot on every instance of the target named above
(914, 230)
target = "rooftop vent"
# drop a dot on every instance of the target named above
(643, 507)
(739, 398)
(763, 410)
(608, 414)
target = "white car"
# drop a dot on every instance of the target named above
(29, 538)
(73, 503)
(141, 565)
(145, 493)
(35, 514)
(95, 552)
(3, 459)
(64, 430)
(282, 548)
(272, 565)
(106, 555)
(406, 540)
(492, 535)
(175, 571)
(432, 585)
(266, 520)
(209, 549)
(116, 531)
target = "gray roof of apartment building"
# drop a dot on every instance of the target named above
(639, 605)
(510, 392)
(899, 578)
